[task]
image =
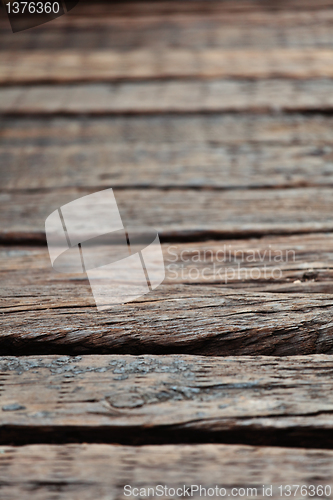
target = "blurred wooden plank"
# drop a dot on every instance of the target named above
(211, 26)
(300, 263)
(226, 32)
(144, 399)
(60, 316)
(182, 214)
(169, 97)
(99, 471)
(164, 10)
(94, 66)
(161, 8)
(127, 164)
(280, 130)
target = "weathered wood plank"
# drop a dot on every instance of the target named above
(129, 164)
(299, 30)
(168, 97)
(101, 471)
(94, 66)
(166, 7)
(162, 26)
(60, 316)
(180, 214)
(301, 263)
(168, 399)
(257, 11)
(216, 129)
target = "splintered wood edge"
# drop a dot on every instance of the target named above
(173, 319)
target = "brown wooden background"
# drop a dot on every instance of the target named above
(213, 123)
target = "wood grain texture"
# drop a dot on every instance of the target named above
(75, 101)
(135, 9)
(168, 97)
(180, 26)
(300, 263)
(228, 32)
(146, 400)
(144, 64)
(180, 214)
(129, 164)
(100, 471)
(60, 316)
(280, 130)
(199, 151)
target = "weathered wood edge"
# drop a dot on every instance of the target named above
(173, 399)
(207, 320)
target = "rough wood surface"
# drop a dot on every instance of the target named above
(169, 97)
(168, 399)
(61, 317)
(97, 471)
(180, 214)
(300, 263)
(186, 170)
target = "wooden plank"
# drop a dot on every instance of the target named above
(129, 164)
(94, 66)
(135, 131)
(144, 400)
(298, 30)
(169, 97)
(181, 214)
(208, 27)
(170, 7)
(99, 471)
(165, 9)
(301, 263)
(60, 316)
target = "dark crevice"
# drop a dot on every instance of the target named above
(324, 111)
(171, 187)
(140, 80)
(187, 236)
(218, 345)
(292, 437)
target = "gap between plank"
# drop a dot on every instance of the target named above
(293, 437)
